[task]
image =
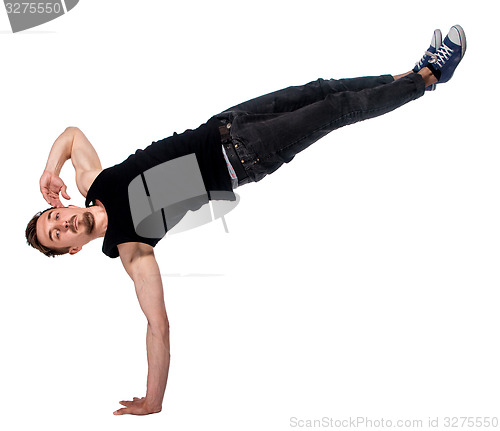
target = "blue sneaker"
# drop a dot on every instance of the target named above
(449, 55)
(436, 41)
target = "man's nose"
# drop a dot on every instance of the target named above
(65, 224)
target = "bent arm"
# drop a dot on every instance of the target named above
(71, 144)
(140, 263)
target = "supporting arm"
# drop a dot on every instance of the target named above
(139, 262)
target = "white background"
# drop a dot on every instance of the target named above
(359, 280)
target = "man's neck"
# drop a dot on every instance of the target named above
(100, 218)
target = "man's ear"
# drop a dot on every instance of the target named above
(74, 250)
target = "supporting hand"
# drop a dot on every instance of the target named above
(50, 186)
(139, 406)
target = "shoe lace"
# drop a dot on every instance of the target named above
(441, 56)
(421, 61)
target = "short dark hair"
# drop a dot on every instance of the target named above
(32, 238)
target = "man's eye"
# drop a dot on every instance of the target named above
(57, 216)
(57, 234)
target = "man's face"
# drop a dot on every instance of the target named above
(65, 227)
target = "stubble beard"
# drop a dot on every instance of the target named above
(89, 221)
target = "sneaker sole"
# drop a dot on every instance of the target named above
(463, 40)
(439, 41)
(439, 38)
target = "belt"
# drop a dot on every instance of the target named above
(232, 155)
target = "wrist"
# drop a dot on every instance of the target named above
(53, 169)
(152, 405)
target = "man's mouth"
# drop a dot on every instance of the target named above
(76, 224)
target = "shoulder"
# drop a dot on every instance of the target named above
(131, 253)
(134, 249)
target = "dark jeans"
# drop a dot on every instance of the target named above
(270, 130)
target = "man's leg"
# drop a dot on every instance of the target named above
(264, 141)
(295, 97)
(270, 130)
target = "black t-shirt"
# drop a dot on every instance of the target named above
(111, 185)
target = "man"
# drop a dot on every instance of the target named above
(257, 137)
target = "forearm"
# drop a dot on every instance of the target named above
(139, 262)
(158, 352)
(60, 151)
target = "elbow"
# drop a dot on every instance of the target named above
(70, 133)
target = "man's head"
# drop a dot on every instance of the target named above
(57, 231)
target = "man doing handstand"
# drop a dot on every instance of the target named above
(240, 145)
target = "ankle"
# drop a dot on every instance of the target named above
(396, 77)
(428, 75)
